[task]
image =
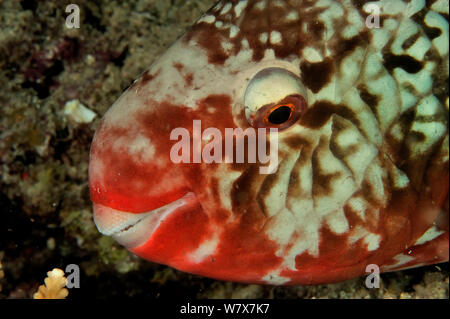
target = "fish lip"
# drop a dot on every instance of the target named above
(131, 229)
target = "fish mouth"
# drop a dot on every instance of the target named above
(133, 229)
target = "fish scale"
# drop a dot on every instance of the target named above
(362, 174)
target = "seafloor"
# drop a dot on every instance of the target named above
(46, 219)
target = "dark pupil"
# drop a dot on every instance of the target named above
(280, 115)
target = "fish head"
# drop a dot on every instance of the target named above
(202, 217)
(173, 210)
(304, 202)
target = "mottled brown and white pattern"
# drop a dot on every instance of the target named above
(362, 175)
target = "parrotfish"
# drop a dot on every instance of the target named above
(354, 93)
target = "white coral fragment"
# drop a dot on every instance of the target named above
(77, 112)
(54, 286)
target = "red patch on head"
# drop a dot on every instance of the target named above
(126, 183)
(243, 253)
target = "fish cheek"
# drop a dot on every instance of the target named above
(177, 237)
(213, 111)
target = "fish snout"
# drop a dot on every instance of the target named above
(130, 171)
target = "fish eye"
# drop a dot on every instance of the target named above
(274, 98)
